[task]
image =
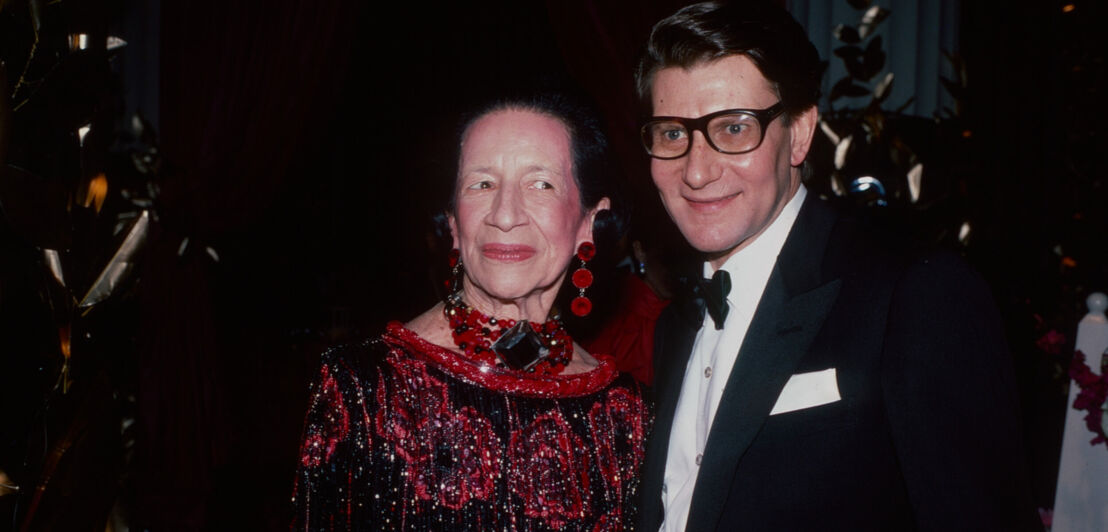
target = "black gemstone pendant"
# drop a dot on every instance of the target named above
(521, 347)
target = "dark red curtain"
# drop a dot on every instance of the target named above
(245, 86)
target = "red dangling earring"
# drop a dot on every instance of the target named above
(582, 279)
(454, 283)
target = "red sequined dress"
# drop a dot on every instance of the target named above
(405, 435)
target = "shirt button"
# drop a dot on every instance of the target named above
(663, 488)
(708, 372)
(699, 457)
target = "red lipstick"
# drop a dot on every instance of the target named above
(507, 252)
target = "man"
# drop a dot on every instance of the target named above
(832, 384)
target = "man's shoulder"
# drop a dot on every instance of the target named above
(883, 239)
(851, 241)
(879, 244)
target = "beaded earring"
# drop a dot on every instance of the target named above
(454, 283)
(582, 279)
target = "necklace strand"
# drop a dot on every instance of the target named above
(475, 333)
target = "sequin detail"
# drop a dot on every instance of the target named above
(405, 435)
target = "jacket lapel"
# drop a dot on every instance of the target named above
(789, 315)
(673, 342)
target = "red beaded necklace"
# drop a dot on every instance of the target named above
(544, 348)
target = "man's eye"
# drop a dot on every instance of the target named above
(673, 134)
(481, 185)
(732, 126)
(543, 185)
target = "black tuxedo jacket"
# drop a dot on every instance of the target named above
(925, 436)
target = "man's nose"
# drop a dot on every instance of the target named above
(507, 209)
(698, 167)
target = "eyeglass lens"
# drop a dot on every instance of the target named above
(730, 133)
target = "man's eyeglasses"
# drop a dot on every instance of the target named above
(729, 131)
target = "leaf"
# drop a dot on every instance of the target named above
(856, 69)
(829, 131)
(905, 105)
(958, 64)
(874, 46)
(121, 263)
(956, 91)
(36, 14)
(839, 89)
(841, 150)
(871, 19)
(846, 87)
(874, 123)
(848, 52)
(884, 87)
(873, 59)
(54, 264)
(915, 181)
(846, 34)
(859, 4)
(855, 91)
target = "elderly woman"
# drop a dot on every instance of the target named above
(482, 413)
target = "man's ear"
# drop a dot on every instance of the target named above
(802, 129)
(585, 232)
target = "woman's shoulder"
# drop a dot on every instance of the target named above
(358, 358)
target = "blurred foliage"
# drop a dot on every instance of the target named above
(946, 182)
(906, 168)
(1071, 252)
(78, 183)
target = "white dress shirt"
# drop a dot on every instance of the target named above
(713, 355)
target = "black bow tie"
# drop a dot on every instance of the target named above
(711, 295)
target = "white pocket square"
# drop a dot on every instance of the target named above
(805, 390)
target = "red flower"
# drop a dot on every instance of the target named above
(1051, 342)
(457, 459)
(1092, 396)
(406, 401)
(549, 470)
(617, 423)
(330, 426)
(609, 522)
(311, 451)
(450, 457)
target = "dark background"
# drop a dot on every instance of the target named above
(308, 142)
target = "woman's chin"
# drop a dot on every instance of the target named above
(507, 290)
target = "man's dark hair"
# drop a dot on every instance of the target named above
(773, 40)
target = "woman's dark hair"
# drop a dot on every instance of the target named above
(773, 40)
(588, 144)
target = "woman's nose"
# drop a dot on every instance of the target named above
(507, 209)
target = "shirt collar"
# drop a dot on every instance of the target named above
(757, 259)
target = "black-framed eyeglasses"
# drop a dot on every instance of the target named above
(730, 131)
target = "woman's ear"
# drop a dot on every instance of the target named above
(453, 224)
(585, 233)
